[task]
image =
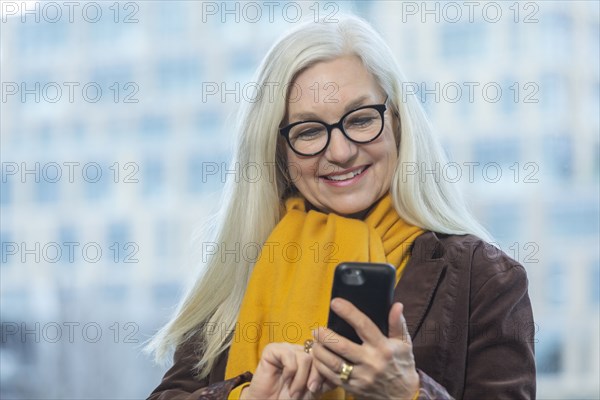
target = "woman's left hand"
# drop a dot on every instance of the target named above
(382, 367)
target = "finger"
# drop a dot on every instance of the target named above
(337, 345)
(327, 373)
(330, 373)
(289, 364)
(364, 327)
(397, 324)
(315, 381)
(333, 362)
(326, 386)
(299, 384)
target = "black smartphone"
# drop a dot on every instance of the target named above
(370, 287)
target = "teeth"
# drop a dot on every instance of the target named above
(344, 177)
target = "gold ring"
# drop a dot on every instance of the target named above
(308, 344)
(346, 371)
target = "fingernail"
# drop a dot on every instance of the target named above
(313, 387)
(335, 305)
(293, 395)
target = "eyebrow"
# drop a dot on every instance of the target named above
(305, 116)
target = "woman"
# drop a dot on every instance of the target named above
(342, 138)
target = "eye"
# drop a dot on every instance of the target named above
(360, 121)
(307, 132)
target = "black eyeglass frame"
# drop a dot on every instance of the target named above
(381, 108)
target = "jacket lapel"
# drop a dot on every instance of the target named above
(420, 279)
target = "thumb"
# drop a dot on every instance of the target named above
(397, 324)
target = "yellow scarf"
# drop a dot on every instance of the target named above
(289, 291)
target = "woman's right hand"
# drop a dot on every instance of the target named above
(282, 373)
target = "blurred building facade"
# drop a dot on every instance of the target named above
(116, 137)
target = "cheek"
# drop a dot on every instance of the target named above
(293, 169)
(390, 157)
(390, 151)
(388, 164)
(392, 165)
(300, 171)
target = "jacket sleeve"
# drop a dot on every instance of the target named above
(429, 389)
(180, 382)
(500, 355)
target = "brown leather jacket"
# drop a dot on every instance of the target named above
(468, 314)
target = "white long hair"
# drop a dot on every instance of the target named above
(251, 209)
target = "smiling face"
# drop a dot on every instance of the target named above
(346, 178)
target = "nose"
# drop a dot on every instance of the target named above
(340, 149)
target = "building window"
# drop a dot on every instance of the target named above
(179, 74)
(594, 283)
(154, 126)
(35, 36)
(97, 180)
(504, 151)
(171, 17)
(207, 125)
(576, 217)
(46, 192)
(114, 293)
(118, 241)
(513, 94)
(462, 40)
(596, 162)
(66, 234)
(153, 177)
(558, 156)
(116, 82)
(553, 96)
(504, 222)
(165, 238)
(7, 247)
(208, 175)
(242, 61)
(556, 34)
(548, 350)
(557, 283)
(166, 294)
(5, 192)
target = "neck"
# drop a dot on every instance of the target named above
(361, 215)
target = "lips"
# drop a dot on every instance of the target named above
(345, 175)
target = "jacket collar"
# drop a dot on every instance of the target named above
(420, 278)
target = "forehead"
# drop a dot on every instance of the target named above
(328, 85)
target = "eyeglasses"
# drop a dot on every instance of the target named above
(362, 125)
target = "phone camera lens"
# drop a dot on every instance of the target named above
(353, 277)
